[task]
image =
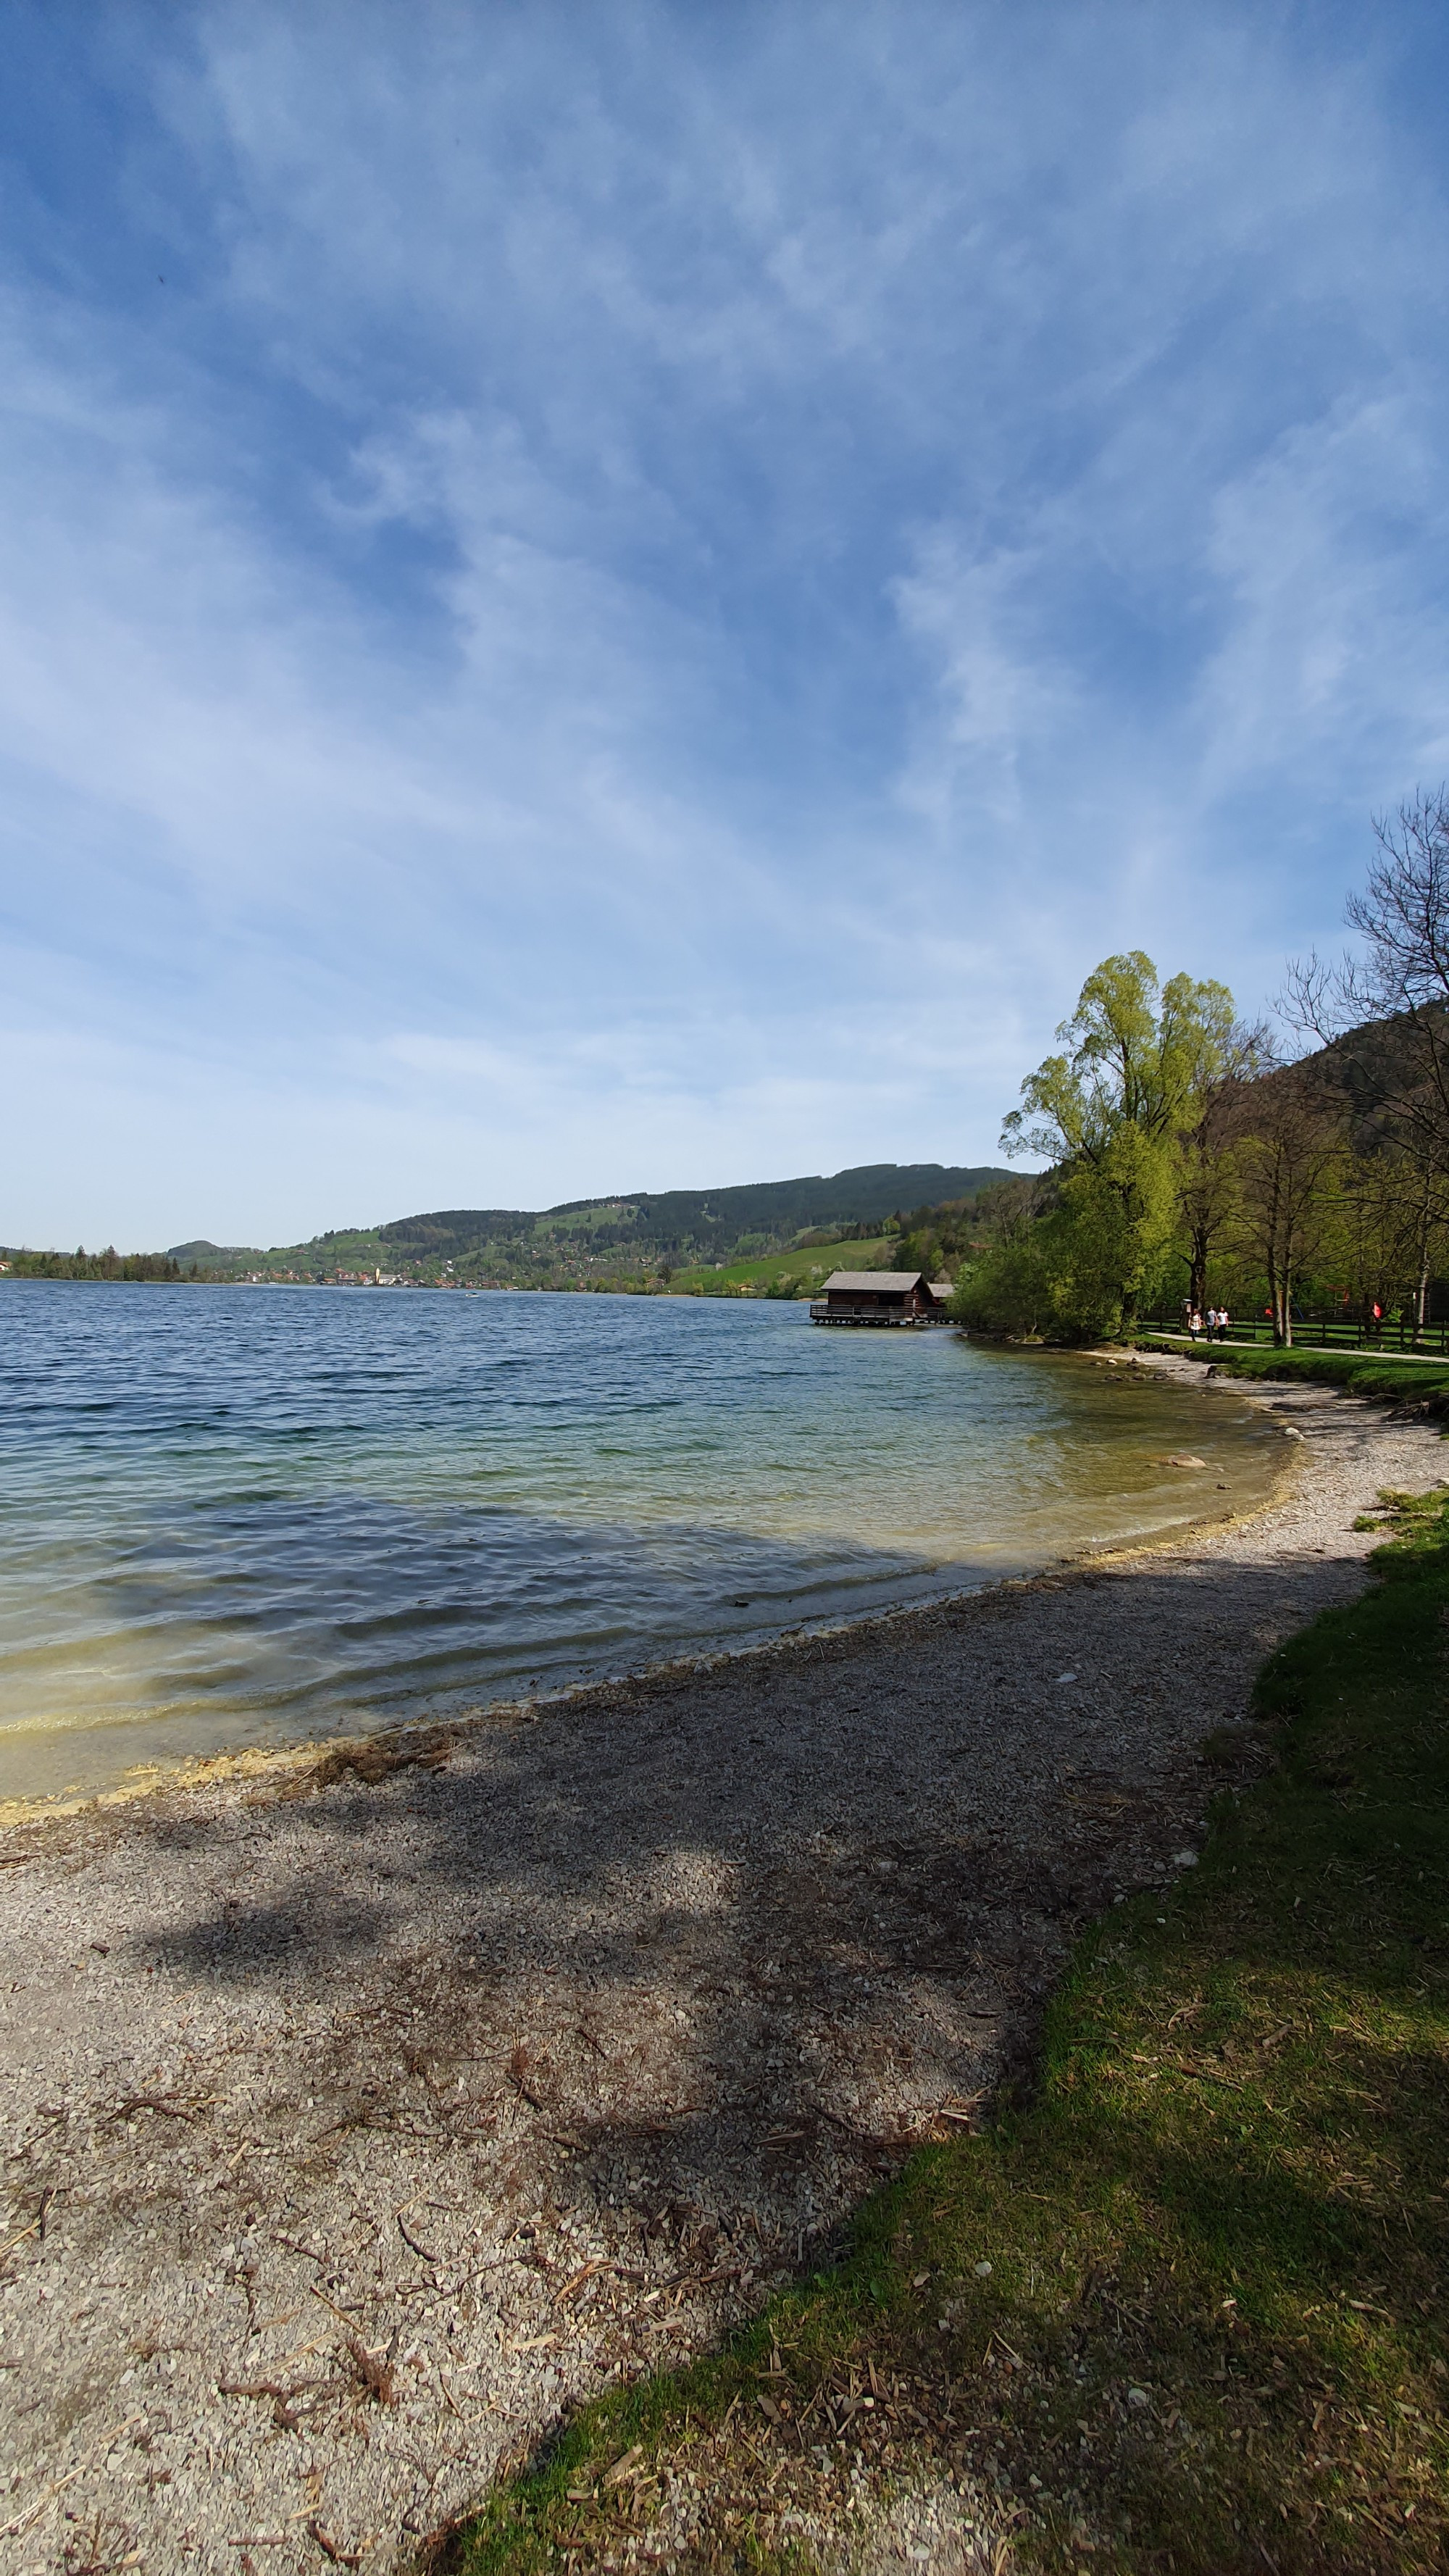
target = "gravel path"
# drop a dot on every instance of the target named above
(360, 2120)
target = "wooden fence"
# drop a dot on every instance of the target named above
(1320, 1332)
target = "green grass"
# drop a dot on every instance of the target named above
(806, 1268)
(1229, 2193)
(1388, 1378)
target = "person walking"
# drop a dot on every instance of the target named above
(1224, 1320)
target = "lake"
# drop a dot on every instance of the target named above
(233, 1517)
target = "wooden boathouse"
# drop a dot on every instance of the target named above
(881, 1297)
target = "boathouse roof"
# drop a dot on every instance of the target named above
(902, 1280)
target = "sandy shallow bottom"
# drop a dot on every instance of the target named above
(359, 2121)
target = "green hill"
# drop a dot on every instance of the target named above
(621, 1240)
(748, 1217)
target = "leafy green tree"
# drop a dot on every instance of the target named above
(1014, 1281)
(1109, 1114)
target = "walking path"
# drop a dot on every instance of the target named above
(1335, 1350)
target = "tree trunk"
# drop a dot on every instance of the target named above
(1197, 1269)
(1281, 1299)
(1421, 1291)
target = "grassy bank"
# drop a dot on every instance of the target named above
(1186, 2309)
(1387, 1379)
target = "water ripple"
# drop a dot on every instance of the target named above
(231, 1516)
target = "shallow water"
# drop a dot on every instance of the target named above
(232, 1517)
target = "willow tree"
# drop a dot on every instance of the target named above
(1111, 1113)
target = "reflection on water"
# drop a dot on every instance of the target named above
(234, 1516)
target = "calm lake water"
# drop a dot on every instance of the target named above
(230, 1517)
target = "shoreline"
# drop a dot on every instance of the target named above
(363, 2124)
(284, 1765)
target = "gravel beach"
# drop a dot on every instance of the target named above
(362, 2116)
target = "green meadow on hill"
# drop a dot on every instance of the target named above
(788, 1273)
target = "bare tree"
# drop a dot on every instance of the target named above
(1289, 1159)
(1385, 1013)
(1393, 1234)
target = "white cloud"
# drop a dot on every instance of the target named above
(1336, 642)
(1000, 697)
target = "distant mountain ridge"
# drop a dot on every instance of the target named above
(671, 1220)
(705, 1225)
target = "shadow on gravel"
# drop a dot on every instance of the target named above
(245, 1942)
(739, 1934)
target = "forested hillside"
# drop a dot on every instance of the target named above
(717, 1225)
(646, 1236)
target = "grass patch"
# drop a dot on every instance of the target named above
(803, 1269)
(1185, 2310)
(1389, 1380)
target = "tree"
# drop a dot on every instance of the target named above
(1384, 1017)
(1290, 1160)
(1209, 1157)
(1393, 1233)
(1385, 1013)
(1109, 1113)
(1012, 1285)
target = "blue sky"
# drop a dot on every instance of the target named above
(610, 597)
